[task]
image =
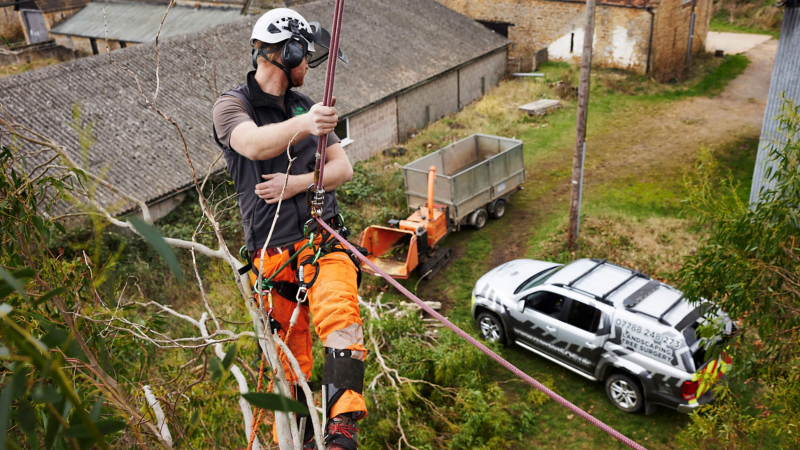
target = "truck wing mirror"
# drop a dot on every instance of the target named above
(522, 305)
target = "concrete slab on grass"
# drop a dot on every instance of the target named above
(540, 107)
(733, 43)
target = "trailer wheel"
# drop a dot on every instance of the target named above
(499, 209)
(479, 219)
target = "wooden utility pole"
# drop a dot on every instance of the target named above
(580, 134)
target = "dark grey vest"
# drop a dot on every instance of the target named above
(257, 215)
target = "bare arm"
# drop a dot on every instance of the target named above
(266, 142)
(338, 171)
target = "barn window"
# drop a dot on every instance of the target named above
(342, 131)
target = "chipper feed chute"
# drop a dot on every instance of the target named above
(393, 250)
(399, 251)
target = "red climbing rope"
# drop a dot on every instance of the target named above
(323, 144)
(527, 378)
(327, 95)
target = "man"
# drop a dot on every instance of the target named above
(254, 124)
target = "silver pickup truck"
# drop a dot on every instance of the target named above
(605, 323)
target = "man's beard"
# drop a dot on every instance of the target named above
(297, 78)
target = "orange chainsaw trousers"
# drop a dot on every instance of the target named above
(333, 303)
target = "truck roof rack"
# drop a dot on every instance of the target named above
(635, 274)
(641, 293)
(599, 263)
(661, 317)
(594, 296)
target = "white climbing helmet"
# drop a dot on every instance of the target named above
(272, 27)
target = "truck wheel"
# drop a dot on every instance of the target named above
(499, 209)
(624, 393)
(491, 328)
(480, 219)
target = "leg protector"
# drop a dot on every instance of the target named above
(341, 372)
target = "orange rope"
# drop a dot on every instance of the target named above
(260, 415)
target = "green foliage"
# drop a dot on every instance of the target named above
(39, 398)
(747, 16)
(153, 237)
(448, 401)
(749, 267)
(372, 197)
(275, 402)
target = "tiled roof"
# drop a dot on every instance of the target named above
(139, 22)
(391, 46)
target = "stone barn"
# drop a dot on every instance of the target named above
(643, 36)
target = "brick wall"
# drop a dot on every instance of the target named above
(10, 25)
(426, 103)
(621, 33)
(477, 78)
(372, 130)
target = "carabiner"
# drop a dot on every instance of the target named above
(302, 290)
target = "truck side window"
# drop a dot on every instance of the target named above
(584, 316)
(547, 303)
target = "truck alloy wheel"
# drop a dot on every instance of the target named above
(624, 393)
(491, 328)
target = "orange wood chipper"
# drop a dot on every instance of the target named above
(461, 184)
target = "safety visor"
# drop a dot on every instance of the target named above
(321, 39)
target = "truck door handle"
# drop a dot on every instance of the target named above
(550, 329)
(590, 346)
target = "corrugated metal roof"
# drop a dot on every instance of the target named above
(785, 81)
(138, 22)
(391, 46)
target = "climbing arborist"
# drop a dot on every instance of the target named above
(254, 124)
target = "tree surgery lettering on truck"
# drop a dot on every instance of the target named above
(645, 341)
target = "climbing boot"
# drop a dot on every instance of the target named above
(342, 433)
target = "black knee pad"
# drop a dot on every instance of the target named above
(342, 371)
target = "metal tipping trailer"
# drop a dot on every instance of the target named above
(475, 174)
(461, 184)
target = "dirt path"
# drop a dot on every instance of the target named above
(668, 139)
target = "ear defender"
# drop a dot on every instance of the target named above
(294, 50)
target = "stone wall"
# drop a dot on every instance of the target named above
(426, 103)
(83, 45)
(477, 78)
(622, 29)
(395, 119)
(10, 25)
(26, 53)
(671, 35)
(372, 130)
